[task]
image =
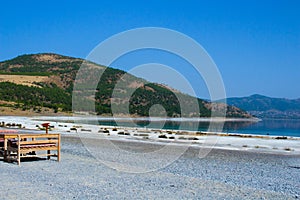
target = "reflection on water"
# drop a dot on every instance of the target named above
(265, 127)
(231, 126)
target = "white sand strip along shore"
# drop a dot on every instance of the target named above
(244, 142)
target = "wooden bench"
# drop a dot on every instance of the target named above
(27, 145)
(4, 136)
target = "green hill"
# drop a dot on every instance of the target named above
(55, 90)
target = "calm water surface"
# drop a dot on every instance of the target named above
(264, 127)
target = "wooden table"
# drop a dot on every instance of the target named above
(24, 144)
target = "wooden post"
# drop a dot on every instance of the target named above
(19, 149)
(58, 149)
(5, 149)
(46, 125)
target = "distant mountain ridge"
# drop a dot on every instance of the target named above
(52, 82)
(268, 107)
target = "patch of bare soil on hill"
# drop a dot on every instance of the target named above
(23, 79)
(30, 80)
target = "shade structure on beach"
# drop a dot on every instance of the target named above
(46, 125)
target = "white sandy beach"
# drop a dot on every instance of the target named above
(222, 174)
(102, 162)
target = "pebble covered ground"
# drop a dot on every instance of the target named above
(222, 174)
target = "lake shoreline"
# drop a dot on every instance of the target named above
(66, 125)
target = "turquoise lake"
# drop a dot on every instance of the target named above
(264, 127)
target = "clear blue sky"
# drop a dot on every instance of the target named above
(255, 44)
